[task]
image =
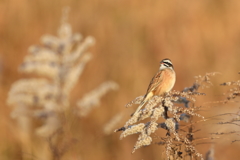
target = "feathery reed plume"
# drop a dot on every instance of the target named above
(109, 127)
(58, 64)
(163, 112)
(92, 99)
(60, 61)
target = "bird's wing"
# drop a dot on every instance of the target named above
(156, 80)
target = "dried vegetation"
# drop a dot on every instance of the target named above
(53, 70)
(55, 67)
(167, 113)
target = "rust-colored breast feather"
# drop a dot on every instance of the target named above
(162, 82)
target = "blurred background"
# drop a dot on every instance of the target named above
(132, 37)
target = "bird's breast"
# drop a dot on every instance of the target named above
(167, 82)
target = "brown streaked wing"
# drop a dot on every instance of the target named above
(156, 80)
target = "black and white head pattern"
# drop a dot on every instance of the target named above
(166, 63)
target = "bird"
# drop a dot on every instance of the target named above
(162, 82)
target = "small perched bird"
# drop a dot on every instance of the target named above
(161, 83)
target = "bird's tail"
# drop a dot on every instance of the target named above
(139, 107)
(146, 98)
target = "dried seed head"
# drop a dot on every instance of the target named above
(133, 130)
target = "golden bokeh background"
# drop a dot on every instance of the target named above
(132, 37)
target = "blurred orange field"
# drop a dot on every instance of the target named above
(132, 37)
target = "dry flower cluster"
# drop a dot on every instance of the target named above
(230, 98)
(163, 112)
(56, 66)
(234, 91)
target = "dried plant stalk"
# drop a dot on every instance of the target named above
(109, 127)
(92, 99)
(58, 62)
(163, 112)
